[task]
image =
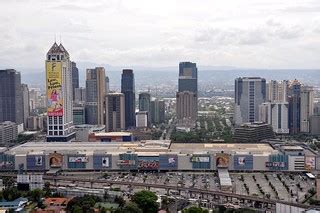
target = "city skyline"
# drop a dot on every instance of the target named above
(220, 33)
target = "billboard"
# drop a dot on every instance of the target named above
(38, 160)
(222, 160)
(202, 159)
(54, 88)
(78, 159)
(242, 162)
(55, 160)
(276, 164)
(126, 162)
(309, 162)
(105, 162)
(148, 163)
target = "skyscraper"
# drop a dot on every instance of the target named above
(128, 89)
(59, 95)
(144, 104)
(187, 92)
(186, 106)
(276, 114)
(294, 100)
(157, 111)
(75, 78)
(107, 85)
(307, 108)
(188, 77)
(10, 96)
(95, 96)
(115, 112)
(250, 92)
(25, 103)
(277, 90)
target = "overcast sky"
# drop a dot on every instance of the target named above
(241, 33)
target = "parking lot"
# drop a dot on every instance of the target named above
(274, 185)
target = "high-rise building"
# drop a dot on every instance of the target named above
(107, 85)
(11, 108)
(25, 103)
(187, 92)
(128, 89)
(59, 95)
(80, 95)
(294, 100)
(276, 114)
(79, 115)
(8, 132)
(157, 111)
(250, 92)
(253, 132)
(188, 77)
(307, 108)
(115, 112)
(186, 106)
(144, 104)
(95, 96)
(75, 78)
(277, 90)
(141, 119)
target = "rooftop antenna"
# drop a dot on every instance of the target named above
(60, 39)
(55, 38)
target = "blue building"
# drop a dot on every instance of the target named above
(294, 100)
(128, 89)
(188, 77)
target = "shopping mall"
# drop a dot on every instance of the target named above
(158, 155)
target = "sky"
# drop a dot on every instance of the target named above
(241, 33)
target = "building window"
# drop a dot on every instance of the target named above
(55, 121)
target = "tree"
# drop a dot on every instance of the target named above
(46, 189)
(129, 208)
(194, 209)
(36, 195)
(11, 193)
(146, 201)
(8, 182)
(119, 200)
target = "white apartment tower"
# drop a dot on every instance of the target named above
(276, 114)
(59, 95)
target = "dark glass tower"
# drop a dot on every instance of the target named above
(10, 96)
(75, 78)
(188, 77)
(294, 100)
(128, 89)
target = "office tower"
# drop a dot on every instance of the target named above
(186, 106)
(34, 99)
(128, 89)
(25, 103)
(75, 78)
(316, 108)
(307, 108)
(187, 92)
(188, 77)
(250, 92)
(276, 114)
(315, 124)
(141, 119)
(115, 112)
(10, 96)
(157, 111)
(144, 104)
(35, 123)
(79, 115)
(8, 132)
(95, 96)
(277, 90)
(162, 111)
(107, 85)
(294, 107)
(59, 95)
(80, 95)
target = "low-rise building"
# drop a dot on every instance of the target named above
(8, 132)
(253, 132)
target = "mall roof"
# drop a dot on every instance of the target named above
(148, 147)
